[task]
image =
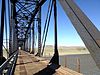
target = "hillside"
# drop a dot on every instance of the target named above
(64, 50)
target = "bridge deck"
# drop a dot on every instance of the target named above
(28, 64)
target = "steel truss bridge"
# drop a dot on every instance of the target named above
(22, 17)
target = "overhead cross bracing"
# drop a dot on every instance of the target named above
(24, 10)
(25, 17)
(25, 13)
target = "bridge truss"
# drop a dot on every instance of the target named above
(24, 18)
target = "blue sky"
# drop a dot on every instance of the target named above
(67, 35)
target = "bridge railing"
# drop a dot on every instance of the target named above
(9, 65)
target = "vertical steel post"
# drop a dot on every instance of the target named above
(15, 47)
(39, 32)
(13, 38)
(30, 41)
(10, 35)
(32, 32)
(23, 46)
(26, 45)
(1, 30)
(55, 58)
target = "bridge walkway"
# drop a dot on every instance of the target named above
(28, 64)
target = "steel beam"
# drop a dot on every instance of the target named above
(32, 37)
(29, 42)
(1, 30)
(26, 45)
(13, 38)
(55, 58)
(85, 28)
(39, 33)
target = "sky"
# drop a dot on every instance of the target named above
(67, 35)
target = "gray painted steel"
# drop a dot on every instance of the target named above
(85, 28)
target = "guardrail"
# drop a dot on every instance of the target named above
(8, 67)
